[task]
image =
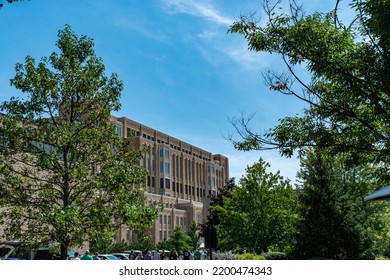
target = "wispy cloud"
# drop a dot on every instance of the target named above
(197, 8)
(251, 60)
(139, 25)
(207, 35)
(214, 44)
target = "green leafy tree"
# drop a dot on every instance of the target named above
(261, 212)
(193, 236)
(335, 222)
(100, 240)
(179, 239)
(143, 243)
(65, 174)
(209, 228)
(164, 245)
(345, 85)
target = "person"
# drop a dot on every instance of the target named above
(174, 255)
(96, 256)
(198, 254)
(186, 254)
(87, 256)
(205, 254)
(148, 255)
(132, 255)
(139, 256)
(163, 255)
(76, 256)
(156, 255)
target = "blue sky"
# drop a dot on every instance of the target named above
(183, 73)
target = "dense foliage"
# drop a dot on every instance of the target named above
(178, 239)
(338, 66)
(347, 93)
(193, 236)
(260, 214)
(66, 176)
(209, 229)
(335, 222)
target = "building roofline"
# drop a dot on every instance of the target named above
(168, 136)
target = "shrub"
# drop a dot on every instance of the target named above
(118, 247)
(142, 245)
(223, 256)
(382, 258)
(275, 256)
(249, 256)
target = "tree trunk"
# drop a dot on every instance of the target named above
(64, 250)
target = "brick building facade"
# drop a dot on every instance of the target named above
(180, 175)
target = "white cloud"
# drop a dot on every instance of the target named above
(207, 35)
(249, 59)
(199, 9)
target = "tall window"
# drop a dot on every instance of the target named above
(173, 165)
(167, 183)
(118, 130)
(165, 161)
(161, 167)
(211, 177)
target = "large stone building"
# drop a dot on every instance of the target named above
(181, 176)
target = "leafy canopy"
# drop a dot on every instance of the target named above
(258, 214)
(193, 236)
(331, 200)
(347, 94)
(179, 239)
(65, 175)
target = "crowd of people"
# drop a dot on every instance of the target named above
(186, 254)
(86, 256)
(198, 254)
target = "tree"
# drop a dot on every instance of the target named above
(142, 244)
(335, 222)
(65, 173)
(209, 228)
(193, 236)
(164, 245)
(178, 239)
(260, 214)
(347, 94)
(100, 240)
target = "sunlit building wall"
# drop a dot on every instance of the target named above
(180, 176)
